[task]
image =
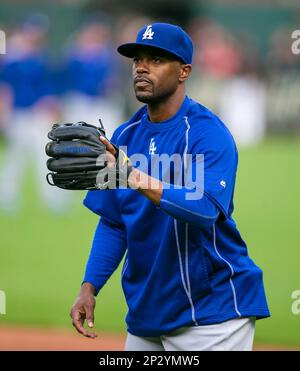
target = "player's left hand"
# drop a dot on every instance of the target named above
(110, 152)
(82, 158)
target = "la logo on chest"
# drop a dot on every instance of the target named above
(152, 147)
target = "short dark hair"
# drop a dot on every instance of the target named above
(160, 52)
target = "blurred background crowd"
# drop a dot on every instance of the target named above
(61, 65)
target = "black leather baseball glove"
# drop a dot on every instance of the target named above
(78, 159)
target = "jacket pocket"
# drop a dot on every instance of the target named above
(197, 272)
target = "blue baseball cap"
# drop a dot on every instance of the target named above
(164, 36)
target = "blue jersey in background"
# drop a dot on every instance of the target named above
(29, 77)
(89, 72)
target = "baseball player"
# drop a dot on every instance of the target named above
(187, 277)
(89, 76)
(27, 79)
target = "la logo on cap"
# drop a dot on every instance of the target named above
(148, 34)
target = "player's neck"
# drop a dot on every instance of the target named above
(165, 109)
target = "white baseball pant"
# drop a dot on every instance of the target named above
(232, 335)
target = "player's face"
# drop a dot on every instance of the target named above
(156, 75)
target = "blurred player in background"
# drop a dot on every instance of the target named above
(90, 77)
(27, 86)
(225, 72)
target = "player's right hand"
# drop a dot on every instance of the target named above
(83, 310)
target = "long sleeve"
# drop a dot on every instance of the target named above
(202, 213)
(108, 249)
(210, 178)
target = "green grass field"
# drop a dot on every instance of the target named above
(42, 255)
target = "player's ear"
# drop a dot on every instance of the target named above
(185, 71)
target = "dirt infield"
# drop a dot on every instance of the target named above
(15, 338)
